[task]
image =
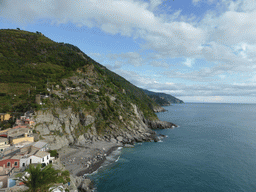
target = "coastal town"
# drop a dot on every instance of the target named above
(20, 147)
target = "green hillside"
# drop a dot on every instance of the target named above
(31, 63)
(162, 99)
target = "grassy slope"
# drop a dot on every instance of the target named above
(31, 62)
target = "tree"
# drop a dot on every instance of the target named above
(41, 179)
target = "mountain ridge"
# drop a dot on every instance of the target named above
(162, 99)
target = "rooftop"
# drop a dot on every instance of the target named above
(39, 144)
(41, 154)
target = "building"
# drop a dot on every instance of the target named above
(4, 143)
(10, 162)
(5, 116)
(23, 138)
(24, 121)
(40, 157)
(4, 176)
(3, 133)
(41, 146)
(14, 132)
(18, 135)
(24, 161)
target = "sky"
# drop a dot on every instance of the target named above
(195, 50)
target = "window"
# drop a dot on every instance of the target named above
(43, 159)
(47, 157)
(15, 163)
(1, 149)
(23, 164)
(8, 164)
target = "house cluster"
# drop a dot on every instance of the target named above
(18, 149)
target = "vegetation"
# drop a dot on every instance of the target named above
(162, 98)
(41, 179)
(54, 153)
(33, 64)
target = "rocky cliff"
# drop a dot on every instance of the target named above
(60, 127)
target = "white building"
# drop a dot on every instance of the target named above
(40, 157)
(24, 161)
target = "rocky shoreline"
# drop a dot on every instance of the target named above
(84, 153)
(86, 158)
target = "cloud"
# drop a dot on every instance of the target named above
(189, 62)
(126, 17)
(131, 58)
(114, 67)
(156, 63)
(168, 37)
(196, 1)
(217, 90)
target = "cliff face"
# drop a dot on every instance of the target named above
(60, 128)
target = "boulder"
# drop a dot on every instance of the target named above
(81, 140)
(86, 185)
(112, 140)
(119, 138)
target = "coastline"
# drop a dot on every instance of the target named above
(86, 159)
(94, 167)
(90, 152)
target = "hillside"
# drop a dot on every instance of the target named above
(162, 99)
(77, 94)
(30, 63)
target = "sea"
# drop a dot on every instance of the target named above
(213, 149)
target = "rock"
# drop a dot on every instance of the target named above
(128, 146)
(56, 142)
(158, 109)
(86, 185)
(157, 124)
(112, 98)
(43, 129)
(81, 140)
(86, 120)
(112, 140)
(112, 126)
(136, 112)
(138, 139)
(93, 130)
(119, 138)
(156, 139)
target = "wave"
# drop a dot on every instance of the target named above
(117, 159)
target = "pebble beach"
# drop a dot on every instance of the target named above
(85, 159)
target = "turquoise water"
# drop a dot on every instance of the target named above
(213, 149)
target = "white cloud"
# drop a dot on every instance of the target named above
(156, 63)
(127, 17)
(131, 58)
(189, 62)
